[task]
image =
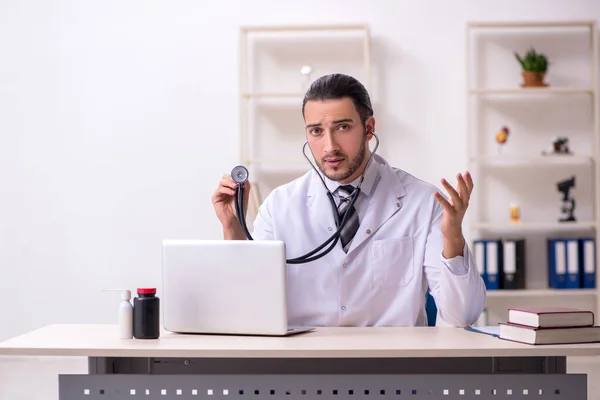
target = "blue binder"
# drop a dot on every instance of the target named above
(557, 263)
(573, 280)
(587, 260)
(488, 257)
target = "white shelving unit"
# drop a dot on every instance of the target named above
(544, 293)
(271, 89)
(532, 91)
(518, 172)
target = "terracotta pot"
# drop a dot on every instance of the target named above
(533, 79)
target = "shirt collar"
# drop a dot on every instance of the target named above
(368, 182)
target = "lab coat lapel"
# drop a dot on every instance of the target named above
(385, 202)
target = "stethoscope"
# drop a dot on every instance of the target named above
(240, 175)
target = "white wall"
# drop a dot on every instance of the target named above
(119, 117)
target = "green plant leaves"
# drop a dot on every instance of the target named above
(533, 61)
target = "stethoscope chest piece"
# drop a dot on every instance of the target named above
(239, 174)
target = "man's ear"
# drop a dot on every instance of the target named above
(370, 125)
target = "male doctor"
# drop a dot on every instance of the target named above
(402, 237)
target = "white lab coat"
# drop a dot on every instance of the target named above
(394, 257)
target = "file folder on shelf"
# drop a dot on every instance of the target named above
(501, 262)
(587, 260)
(557, 263)
(488, 257)
(573, 280)
(513, 272)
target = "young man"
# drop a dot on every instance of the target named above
(401, 239)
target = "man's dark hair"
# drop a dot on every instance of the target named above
(337, 86)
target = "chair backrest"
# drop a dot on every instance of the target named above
(430, 309)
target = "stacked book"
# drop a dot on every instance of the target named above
(550, 325)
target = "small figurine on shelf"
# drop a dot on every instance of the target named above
(502, 137)
(559, 146)
(515, 214)
(568, 201)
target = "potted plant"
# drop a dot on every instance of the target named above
(534, 67)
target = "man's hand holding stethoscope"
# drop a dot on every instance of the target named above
(454, 212)
(224, 202)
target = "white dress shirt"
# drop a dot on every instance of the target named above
(395, 256)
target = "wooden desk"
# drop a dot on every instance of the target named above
(332, 363)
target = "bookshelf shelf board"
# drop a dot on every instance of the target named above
(275, 165)
(535, 226)
(540, 293)
(292, 28)
(507, 161)
(532, 91)
(530, 24)
(273, 95)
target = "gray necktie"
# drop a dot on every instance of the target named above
(352, 222)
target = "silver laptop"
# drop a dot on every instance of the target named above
(225, 287)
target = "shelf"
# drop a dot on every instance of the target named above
(287, 28)
(531, 24)
(274, 165)
(273, 95)
(270, 59)
(533, 91)
(535, 226)
(541, 293)
(520, 161)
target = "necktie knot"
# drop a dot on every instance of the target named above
(345, 191)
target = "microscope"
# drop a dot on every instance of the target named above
(568, 202)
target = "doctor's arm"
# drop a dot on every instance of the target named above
(453, 276)
(455, 283)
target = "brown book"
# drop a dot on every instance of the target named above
(550, 317)
(568, 335)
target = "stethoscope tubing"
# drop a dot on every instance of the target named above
(308, 257)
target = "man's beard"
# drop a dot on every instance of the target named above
(352, 168)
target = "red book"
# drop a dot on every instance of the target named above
(550, 317)
(529, 335)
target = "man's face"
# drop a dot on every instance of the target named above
(337, 138)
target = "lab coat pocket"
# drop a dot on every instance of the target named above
(393, 262)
